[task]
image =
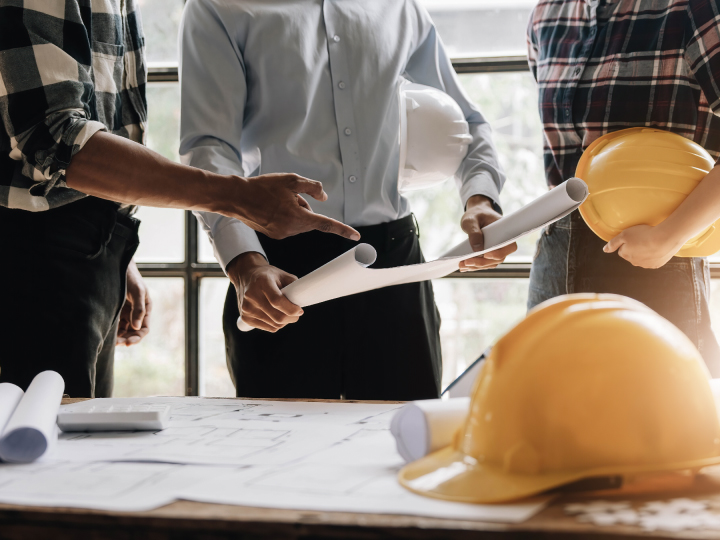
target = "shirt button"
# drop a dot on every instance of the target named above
(336, 38)
(352, 179)
(341, 85)
(348, 131)
(577, 71)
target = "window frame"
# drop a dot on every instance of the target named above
(193, 271)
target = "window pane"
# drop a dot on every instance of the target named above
(509, 102)
(214, 376)
(161, 235)
(164, 119)
(162, 230)
(161, 22)
(156, 365)
(480, 27)
(475, 314)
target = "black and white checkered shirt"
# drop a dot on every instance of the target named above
(68, 69)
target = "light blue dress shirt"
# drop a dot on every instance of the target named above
(309, 87)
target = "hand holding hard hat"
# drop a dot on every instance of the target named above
(653, 195)
(434, 140)
(586, 386)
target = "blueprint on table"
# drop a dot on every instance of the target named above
(228, 432)
(294, 455)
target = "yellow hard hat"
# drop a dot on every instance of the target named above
(587, 385)
(640, 176)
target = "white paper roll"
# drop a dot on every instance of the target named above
(32, 428)
(349, 273)
(423, 427)
(10, 396)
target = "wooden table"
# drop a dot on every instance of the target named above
(190, 520)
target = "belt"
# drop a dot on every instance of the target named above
(382, 234)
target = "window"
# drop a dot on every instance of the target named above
(185, 352)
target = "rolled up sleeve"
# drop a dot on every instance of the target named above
(45, 89)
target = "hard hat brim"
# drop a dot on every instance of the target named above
(453, 476)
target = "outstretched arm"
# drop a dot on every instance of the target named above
(652, 247)
(270, 203)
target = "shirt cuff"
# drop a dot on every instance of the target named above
(481, 184)
(52, 165)
(234, 238)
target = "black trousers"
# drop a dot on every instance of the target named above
(382, 344)
(62, 275)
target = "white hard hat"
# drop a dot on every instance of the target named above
(434, 136)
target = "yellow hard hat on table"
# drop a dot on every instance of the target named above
(586, 386)
(640, 176)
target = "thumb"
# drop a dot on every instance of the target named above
(475, 234)
(614, 244)
(285, 279)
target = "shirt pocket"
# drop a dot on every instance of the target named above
(108, 66)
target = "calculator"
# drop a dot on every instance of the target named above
(95, 415)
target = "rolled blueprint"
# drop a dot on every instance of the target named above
(349, 273)
(10, 396)
(548, 208)
(423, 427)
(32, 428)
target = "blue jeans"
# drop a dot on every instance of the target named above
(570, 259)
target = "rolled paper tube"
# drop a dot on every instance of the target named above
(32, 428)
(423, 427)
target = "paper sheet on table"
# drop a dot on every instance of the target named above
(358, 474)
(31, 430)
(121, 487)
(349, 273)
(302, 455)
(226, 432)
(425, 426)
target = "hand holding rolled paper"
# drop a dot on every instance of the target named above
(349, 273)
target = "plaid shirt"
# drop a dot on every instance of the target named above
(624, 63)
(68, 69)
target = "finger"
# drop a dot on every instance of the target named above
(501, 253)
(614, 244)
(281, 303)
(120, 341)
(302, 202)
(122, 325)
(138, 310)
(257, 323)
(328, 225)
(269, 314)
(479, 266)
(148, 312)
(310, 187)
(136, 336)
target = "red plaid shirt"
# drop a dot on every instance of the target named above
(606, 66)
